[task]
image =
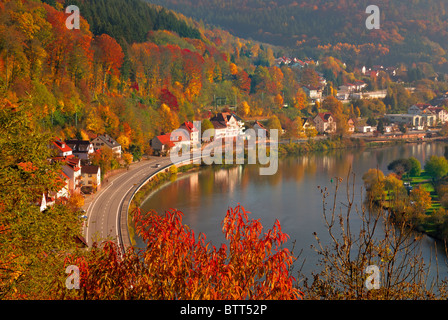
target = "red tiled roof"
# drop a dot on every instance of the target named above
(189, 126)
(259, 124)
(166, 140)
(62, 146)
(422, 105)
(324, 116)
(71, 161)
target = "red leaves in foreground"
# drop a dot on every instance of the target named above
(177, 265)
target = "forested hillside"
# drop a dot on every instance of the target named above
(123, 75)
(130, 20)
(135, 70)
(410, 32)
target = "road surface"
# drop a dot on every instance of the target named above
(104, 221)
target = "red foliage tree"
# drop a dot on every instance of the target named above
(169, 99)
(243, 81)
(178, 265)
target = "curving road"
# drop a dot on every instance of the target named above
(107, 209)
(105, 220)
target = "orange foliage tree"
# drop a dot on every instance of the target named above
(109, 54)
(178, 265)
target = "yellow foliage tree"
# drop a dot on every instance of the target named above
(170, 121)
(233, 69)
(123, 141)
(300, 99)
(278, 100)
(246, 108)
(127, 158)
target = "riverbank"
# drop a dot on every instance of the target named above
(332, 143)
(420, 207)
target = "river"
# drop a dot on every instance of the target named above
(291, 195)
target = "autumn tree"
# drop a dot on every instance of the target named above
(274, 124)
(421, 199)
(374, 184)
(278, 100)
(309, 77)
(244, 109)
(31, 241)
(105, 159)
(109, 55)
(346, 253)
(170, 121)
(243, 81)
(177, 264)
(436, 167)
(300, 99)
(415, 166)
(127, 158)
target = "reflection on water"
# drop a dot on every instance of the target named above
(291, 195)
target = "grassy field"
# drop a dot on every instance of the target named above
(426, 182)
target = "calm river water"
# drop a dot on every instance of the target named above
(291, 196)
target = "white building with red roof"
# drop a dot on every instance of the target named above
(192, 131)
(325, 122)
(62, 148)
(72, 169)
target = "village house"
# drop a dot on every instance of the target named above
(258, 126)
(193, 133)
(308, 124)
(227, 125)
(419, 115)
(419, 108)
(62, 148)
(72, 169)
(427, 109)
(325, 123)
(91, 178)
(81, 148)
(413, 120)
(359, 85)
(380, 94)
(440, 113)
(314, 93)
(162, 144)
(364, 128)
(51, 197)
(108, 142)
(343, 95)
(350, 126)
